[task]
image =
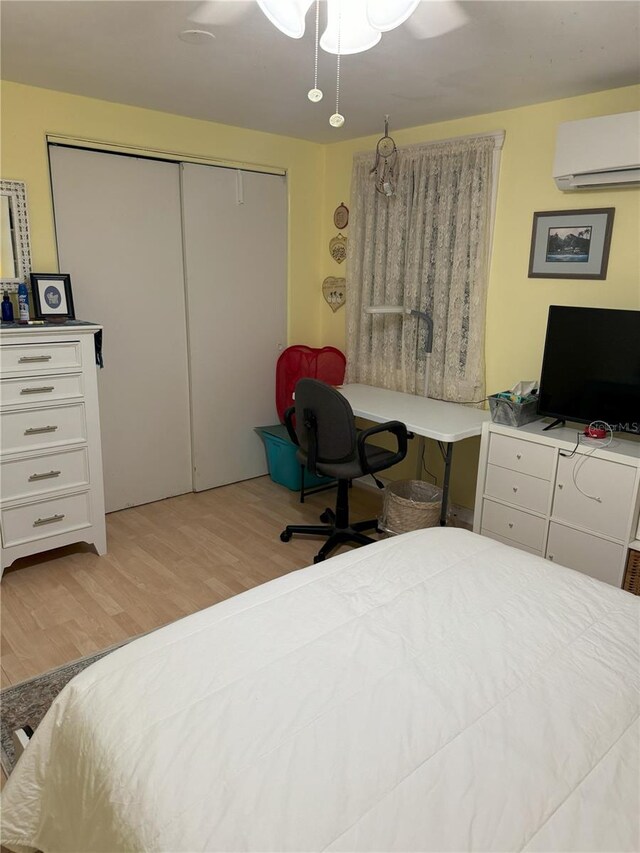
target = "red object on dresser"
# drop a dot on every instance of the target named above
(299, 361)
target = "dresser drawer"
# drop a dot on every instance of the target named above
(521, 489)
(46, 518)
(513, 524)
(491, 535)
(527, 457)
(37, 475)
(594, 493)
(585, 553)
(31, 429)
(41, 390)
(33, 359)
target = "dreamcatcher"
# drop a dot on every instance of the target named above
(384, 167)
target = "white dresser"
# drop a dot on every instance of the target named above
(51, 462)
(577, 509)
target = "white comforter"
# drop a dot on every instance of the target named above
(438, 691)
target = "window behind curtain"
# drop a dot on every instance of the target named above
(426, 248)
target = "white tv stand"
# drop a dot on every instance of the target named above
(577, 509)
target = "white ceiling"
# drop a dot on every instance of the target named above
(509, 54)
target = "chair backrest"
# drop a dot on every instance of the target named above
(332, 416)
(299, 361)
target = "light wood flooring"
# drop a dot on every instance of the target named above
(164, 561)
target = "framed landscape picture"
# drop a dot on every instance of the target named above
(571, 243)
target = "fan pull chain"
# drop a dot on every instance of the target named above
(315, 94)
(336, 119)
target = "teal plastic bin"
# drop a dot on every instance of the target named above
(283, 466)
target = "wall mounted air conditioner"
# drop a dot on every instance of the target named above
(598, 152)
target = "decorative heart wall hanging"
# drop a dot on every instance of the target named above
(338, 248)
(333, 290)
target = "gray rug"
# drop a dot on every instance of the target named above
(25, 704)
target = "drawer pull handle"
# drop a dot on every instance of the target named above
(518, 455)
(47, 476)
(30, 359)
(515, 488)
(43, 390)
(37, 430)
(511, 524)
(560, 485)
(50, 520)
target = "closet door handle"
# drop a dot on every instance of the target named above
(43, 390)
(50, 520)
(36, 430)
(30, 359)
(49, 475)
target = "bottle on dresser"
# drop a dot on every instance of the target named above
(7, 308)
(23, 303)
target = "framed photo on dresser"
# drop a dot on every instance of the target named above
(52, 297)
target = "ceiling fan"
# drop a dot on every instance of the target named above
(352, 26)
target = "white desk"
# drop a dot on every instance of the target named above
(426, 418)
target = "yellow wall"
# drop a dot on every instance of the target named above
(319, 178)
(29, 114)
(517, 306)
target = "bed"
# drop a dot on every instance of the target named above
(438, 691)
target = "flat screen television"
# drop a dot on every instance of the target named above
(591, 367)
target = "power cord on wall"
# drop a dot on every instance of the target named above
(440, 446)
(589, 435)
(426, 470)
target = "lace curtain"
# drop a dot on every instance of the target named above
(425, 248)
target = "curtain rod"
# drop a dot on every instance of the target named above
(496, 135)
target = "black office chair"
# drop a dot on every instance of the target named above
(330, 446)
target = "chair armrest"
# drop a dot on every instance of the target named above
(288, 422)
(396, 428)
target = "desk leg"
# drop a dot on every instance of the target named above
(420, 452)
(445, 484)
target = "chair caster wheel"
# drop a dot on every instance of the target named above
(285, 536)
(325, 518)
(318, 559)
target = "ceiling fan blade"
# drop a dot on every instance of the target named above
(385, 16)
(435, 18)
(220, 13)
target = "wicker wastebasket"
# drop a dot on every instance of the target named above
(410, 505)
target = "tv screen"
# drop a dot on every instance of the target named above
(591, 367)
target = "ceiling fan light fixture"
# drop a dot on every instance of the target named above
(287, 15)
(385, 15)
(348, 20)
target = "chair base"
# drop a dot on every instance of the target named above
(335, 535)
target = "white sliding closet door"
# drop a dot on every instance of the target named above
(235, 233)
(119, 231)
